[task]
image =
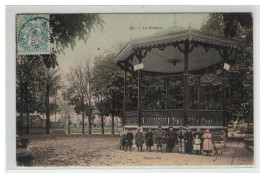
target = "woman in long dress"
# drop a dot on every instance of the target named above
(189, 140)
(149, 139)
(171, 138)
(139, 139)
(122, 139)
(207, 143)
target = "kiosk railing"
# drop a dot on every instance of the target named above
(174, 117)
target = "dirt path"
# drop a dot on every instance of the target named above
(135, 158)
(98, 150)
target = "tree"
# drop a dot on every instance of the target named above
(240, 76)
(234, 22)
(37, 85)
(66, 110)
(79, 93)
(27, 89)
(66, 28)
(108, 87)
(89, 94)
(69, 123)
(100, 106)
(50, 84)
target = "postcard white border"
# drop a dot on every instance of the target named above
(11, 11)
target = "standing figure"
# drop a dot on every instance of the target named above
(120, 142)
(207, 144)
(196, 144)
(159, 137)
(149, 139)
(171, 138)
(181, 140)
(129, 140)
(139, 139)
(224, 137)
(200, 134)
(122, 139)
(189, 140)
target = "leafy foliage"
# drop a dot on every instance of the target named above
(107, 86)
(66, 28)
(33, 83)
(240, 76)
(108, 83)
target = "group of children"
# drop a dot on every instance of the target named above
(186, 140)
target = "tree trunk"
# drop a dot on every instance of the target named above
(21, 98)
(113, 118)
(27, 124)
(83, 122)
(117, 123)
(55, 104)
(89, 117)
(113, 125)
(27, 107)
(89, 124)
(47, 109)
(102, 125)
(69, 124)
(124, 102)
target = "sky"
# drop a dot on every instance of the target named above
(120, 28)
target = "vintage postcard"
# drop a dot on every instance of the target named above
(134, 89)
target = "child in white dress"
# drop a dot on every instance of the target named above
(196, 145)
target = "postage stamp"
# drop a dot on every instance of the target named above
(32, 34)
